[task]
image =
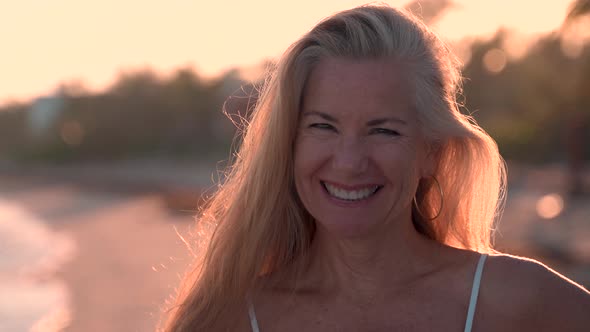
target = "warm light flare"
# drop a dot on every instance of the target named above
(575, 36)
(549, 206)
(494, 60)
(72, 133)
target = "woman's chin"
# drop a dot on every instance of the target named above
(344, 228)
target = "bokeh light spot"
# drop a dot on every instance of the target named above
(575, 35)
(72, 133)
(494, 60)
(550, 206)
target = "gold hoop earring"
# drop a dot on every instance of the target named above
(441, 201)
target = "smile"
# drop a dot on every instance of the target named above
(350, 195)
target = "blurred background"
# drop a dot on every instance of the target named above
(112, 127)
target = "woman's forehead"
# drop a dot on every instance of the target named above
(371, 85)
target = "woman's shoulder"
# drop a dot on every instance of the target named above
(526, 291)
(528, 277)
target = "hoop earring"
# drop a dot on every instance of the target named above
(441, 201)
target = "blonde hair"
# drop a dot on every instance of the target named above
(255, 224)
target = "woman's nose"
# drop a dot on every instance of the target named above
(350, 156)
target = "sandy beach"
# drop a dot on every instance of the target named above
(129, 261)
(128, 255)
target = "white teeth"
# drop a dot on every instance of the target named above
(353, 195)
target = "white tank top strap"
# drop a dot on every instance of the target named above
(474, 292)
(252, 314)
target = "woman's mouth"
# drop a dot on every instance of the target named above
(357, 194)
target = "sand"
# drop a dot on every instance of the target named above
(128, 258)
(129, 261)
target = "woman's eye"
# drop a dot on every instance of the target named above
(385, 131)
(322, 126)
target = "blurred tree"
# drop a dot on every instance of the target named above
(13, 135)
(532, 105)
(523, 103)
(579, 119)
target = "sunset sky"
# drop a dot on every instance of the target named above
(45, 42)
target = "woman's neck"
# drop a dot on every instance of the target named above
(366, 267)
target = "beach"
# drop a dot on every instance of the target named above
(125, 259)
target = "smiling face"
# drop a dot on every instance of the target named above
(359, 153)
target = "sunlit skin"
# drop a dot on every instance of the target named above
(358, 130)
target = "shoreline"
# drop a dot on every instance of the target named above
(128, 257)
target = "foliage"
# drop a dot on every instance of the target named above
(537, 107)
(139, 115)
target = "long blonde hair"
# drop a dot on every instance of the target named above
(255, 224)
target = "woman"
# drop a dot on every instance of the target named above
(361, 199)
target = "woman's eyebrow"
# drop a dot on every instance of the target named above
(322, 115)
(370, 123)
(380, 121)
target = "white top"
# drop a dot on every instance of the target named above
(470, 311)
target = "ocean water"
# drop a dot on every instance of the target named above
(31, 298)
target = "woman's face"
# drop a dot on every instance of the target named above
(359, 153)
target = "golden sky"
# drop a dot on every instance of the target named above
(45, 42)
